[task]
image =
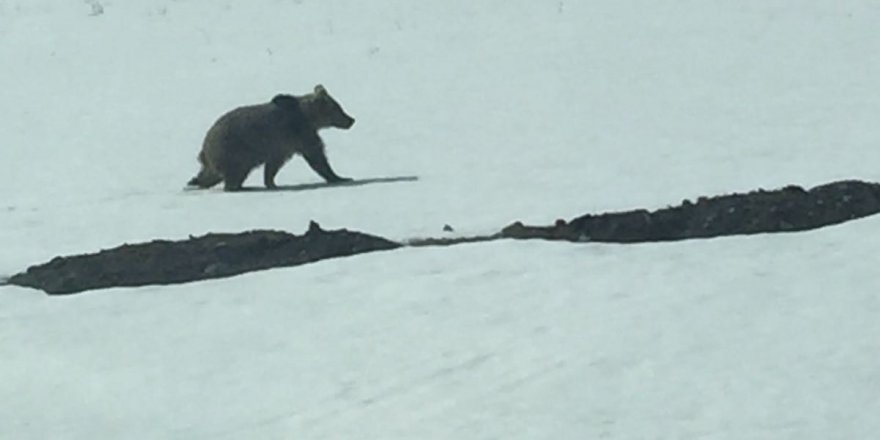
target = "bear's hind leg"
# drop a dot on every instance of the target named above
(234, 178)
(205, 179)
(270, 170)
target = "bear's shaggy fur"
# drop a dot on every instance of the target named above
(269, 134)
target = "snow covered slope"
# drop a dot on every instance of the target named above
(504, 110)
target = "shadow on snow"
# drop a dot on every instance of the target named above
(322, 185)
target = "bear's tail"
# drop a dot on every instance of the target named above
(205, 179)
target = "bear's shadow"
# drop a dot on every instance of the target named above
(322, 185)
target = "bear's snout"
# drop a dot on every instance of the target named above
(346, 122)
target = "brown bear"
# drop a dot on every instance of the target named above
(269, 134)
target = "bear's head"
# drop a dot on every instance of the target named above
(331, 113)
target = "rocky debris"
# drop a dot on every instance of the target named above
(222, 255)
(198, 258)
(788, 209)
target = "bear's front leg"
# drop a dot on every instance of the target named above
(317, 160)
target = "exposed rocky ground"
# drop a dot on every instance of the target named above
(785, 210)
(209, 256)
(221, 255)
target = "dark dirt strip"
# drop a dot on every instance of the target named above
(788, 209)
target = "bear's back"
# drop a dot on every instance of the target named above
(260, 126)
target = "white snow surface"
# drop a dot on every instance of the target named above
(504, 110)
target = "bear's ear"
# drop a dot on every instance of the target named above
(320, 90)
